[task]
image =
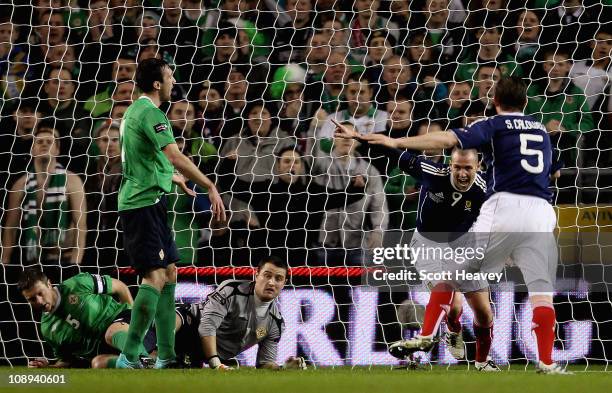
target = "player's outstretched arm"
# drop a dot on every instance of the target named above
(44, 363)
(430, 141)
(186, 167)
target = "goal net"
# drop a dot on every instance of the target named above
(258, 83)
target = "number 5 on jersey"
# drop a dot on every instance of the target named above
(526, 151)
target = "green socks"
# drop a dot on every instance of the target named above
(165, 320)
(119, 339)
(143, 313)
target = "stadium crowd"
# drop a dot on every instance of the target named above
(258, 83)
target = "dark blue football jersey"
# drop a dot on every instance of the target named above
(443, 208)
(516, 150)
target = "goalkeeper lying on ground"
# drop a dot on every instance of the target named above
(236, 316)
(81, 321)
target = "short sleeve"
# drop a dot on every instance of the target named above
(475, 135)
(158, 128)
(89, 283)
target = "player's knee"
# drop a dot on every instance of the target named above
(98, 362)
(171, 274)
(483, 314)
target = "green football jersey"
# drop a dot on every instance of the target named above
(147, 172)
(85, 309)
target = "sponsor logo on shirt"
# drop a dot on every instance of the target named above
(437, 197)
(160, 127)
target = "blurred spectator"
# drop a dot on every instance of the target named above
(185, 216)
(447, 37)
(360, 111)
(147, 27)
(71, 121)
(291, 206)
(251, 153)
(427, 127)
(485, 80)
(338, 34)
(235, 95)
(65, 57)
(380, 49)
(228, 56)
(365, 21)
(459, 94)
(328, 91)
(48, 206)
(572, 25)
(594, 76)
(345, 232)
(179, 37)
(394, 80)
(252, 43)
(317, 53)
(102, 187)
(13, 63)
(183, 120)
(118, 111)
(291, 40)
(16, 135)
(210, 111)
(528, 32)
(487, 50)
(560, 105)
(124, 69)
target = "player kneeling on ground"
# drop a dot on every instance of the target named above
(81, 321)
(236, 316)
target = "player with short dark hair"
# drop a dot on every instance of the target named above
(449, 201)
(149, 156)
(236, 316)
(81, 321)
(517, 219)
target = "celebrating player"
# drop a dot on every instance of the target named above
(149, 157)
(236, 316)
(517, 217)
(81, 320)
(449, 201)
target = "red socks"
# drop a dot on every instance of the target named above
(484, 336)
(543, 327)
(439, 303)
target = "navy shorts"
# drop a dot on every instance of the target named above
(147, 238)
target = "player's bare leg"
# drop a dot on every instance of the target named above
(104, 361)
(483, 328)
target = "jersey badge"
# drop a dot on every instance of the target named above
(73, 299)
(261, 332)
(468, 205)
(161, 255)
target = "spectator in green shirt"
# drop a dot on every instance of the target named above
(560, 105)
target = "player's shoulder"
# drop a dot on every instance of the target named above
(76, 280)
(434, 169)
(235, 288)
(480, 182)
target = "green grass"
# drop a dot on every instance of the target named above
(338, 380)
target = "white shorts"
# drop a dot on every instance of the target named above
(519, 228)
(434, 263)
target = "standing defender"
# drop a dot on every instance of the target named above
(149, 155)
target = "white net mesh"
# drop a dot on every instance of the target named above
(258, 83)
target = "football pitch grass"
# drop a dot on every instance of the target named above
(321, 380)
